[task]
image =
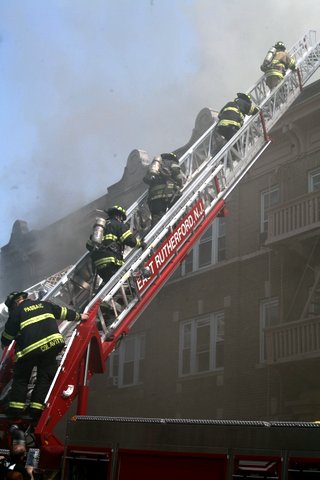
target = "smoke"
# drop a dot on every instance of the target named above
(233, 37)
(85, 84)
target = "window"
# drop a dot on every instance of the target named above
(269, 198)
(314, 180)
(210, 249)
(269, 317)
(221, 246)
(314, 303)
(201, 344)
(126, 364)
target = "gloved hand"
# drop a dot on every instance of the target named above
(84, 317)
(143, 244)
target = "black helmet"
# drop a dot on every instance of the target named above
(18, 436)
(13, 296)
(280, 46)
(116, 210)
(244, 96)
(169, 156)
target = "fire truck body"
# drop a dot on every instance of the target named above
(184, 449)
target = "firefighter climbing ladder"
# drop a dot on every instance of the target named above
(211, 177)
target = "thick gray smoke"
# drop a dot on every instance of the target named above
(85, 83)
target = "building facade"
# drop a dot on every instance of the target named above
(235, 333)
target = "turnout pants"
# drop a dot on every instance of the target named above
(227, 131)
(107, 273)
(273, 81)
(159, 206)
(46, 365)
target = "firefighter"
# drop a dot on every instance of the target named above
(108, 256)
(32, 324)
(278, 66)
(165, 180)
(232, 115)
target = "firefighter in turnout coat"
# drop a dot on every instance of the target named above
(108, 256)
(33, 326)
(165, 180)
(279, 65)
(232, 115)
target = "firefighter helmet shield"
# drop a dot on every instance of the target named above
(280, 46)
(116, 210)
(13, 296)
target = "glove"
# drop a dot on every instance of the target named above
(84, 317)
(143, 245)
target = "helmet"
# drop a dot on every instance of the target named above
(280, 46)
(244, 96)
(169, 156)
(116, 210)
(18, 436)
(13, 296)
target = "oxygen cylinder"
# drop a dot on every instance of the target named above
(268, 59)
(155, 166)
(270, 55)
(98, 230)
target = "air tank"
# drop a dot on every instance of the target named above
(268, 59)
(98, 230)
(155, 166)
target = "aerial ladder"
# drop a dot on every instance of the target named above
(212, 173)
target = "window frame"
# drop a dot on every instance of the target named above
(218, 232)
(263, 210)
(311, 174)
(214, 320)
(117, 361)
(264, 305)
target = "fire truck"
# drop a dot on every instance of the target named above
(185, 449)
(116, 448)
